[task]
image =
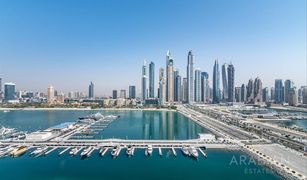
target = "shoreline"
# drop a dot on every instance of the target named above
(267, 164)
(85, 109)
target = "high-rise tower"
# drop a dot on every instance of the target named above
(205, 89)
(225, 83)
(231, 83)
(216, 82)
(190, 78)
(144, 81)
(91, 90)
(169, 78)
(151, 80)
(197, 85)
(162, 87)
(50, 94)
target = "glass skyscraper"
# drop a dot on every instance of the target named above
(114, 94)
(216, 82)
(91, 90)
(151, 80)
(162, 89)
(144, 81)
(132, 93)
(9, 91)
(205, 89)
(225, 83)
(169, 78)
(197, 85)
(190, 78)
(231, 83)
(288, 86)
(279, 96)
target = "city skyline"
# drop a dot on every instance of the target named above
(252, 51)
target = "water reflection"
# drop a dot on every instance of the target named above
(168, 125)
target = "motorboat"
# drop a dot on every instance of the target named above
(185, 151)
(193, 152)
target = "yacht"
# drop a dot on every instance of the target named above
(86, 151)
(185, 151)
(115, 151)
(39, 150)
(129, 151)
(74, 151)
(5, 151)
(18, 151)
(149, 150)
(5, 131)
(193, 152)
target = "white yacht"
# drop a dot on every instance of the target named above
(129, 151)
(5, 131)
(86, 151)
(149, 150)
(185, 151)
(193, 152)
(39, 150)
(74, 151)
(115, 151)
(6, 150)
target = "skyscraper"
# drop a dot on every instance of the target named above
(293, 97)
(231, 83)
(132, 92)
(123, 94)
(114, 94)
(0, 89)
(257, 90)
(205, 89)
(151, 80)
(50, 94)
(184, 89)
(0, 86)
(216, 82)
(176, 73)
(9, 91)
(250, 92)
(190, 78)
(169, 78)
(91, 90)
(289, 84)
(225, 83)
(144, 81)
(265, 95)
(272, 94)
(162, 87)
(243, 93)
(197, 85)
(177, 85)
(279, 97)
(238, 94)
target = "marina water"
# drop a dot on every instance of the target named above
(220, 164)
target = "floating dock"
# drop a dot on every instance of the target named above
(160, 151)
(202, 152)
(174, 151)
(62, 152)
(52, 149)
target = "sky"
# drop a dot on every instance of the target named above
(68, 43)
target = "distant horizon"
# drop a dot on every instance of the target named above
(71, 43)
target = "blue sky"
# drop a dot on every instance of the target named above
(69, 43)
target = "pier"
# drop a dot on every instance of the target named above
(62, 152)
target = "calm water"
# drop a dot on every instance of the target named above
(220, 164)
(290, 123)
